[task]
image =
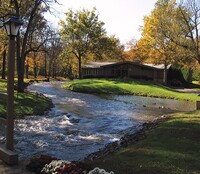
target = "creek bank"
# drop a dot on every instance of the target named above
(84, 123)
(38, 162)
(50, 105)
(126, 140)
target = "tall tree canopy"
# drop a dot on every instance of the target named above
(166, 36)
(31, 12)
(82, 31)
(154, 41)
(187, 34)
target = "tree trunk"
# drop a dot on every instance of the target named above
(55, 71)
(198, 57)
(50, 65)
(27, 68)
(21, 49)
(35, 66)
(189, 78)
(45, 65)
(165, 75)
(35, 72)
(20, 55)
(20, 66)
(4, 65)
(80, 69)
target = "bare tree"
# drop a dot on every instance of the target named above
(27, 10)
(190, 14)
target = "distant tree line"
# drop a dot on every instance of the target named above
(44, 51)
(170, 35)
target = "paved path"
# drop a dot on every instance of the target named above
(17, 169)
(188, 90)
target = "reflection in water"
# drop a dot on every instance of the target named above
(80, 124)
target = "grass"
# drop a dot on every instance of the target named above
(3, 84)
(173, 147)
(140, 88)
(24, 103)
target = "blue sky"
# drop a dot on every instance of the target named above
(121, 17)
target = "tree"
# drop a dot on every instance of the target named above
(54, 46)
(82, 32)
(182, 28)
(136, 51)
(161, 28)
(3, 46)
(188, 35)
(27, 10)
(186, 30)
(109, 48)
(3, 74)
(160, 49)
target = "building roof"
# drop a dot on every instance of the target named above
(107, 64)
(97, 64)
(158, 66)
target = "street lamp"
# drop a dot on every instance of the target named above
(12, 26)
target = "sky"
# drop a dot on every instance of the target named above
(122, 18)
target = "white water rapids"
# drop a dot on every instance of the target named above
(80, 124)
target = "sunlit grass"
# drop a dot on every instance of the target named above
(133, 87)
(24, 103)
(172, 147)
(3, 85)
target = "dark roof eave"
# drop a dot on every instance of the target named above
(133, 63)
(127, 62)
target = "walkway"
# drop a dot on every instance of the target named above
(189, 90)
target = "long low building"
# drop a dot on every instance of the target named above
(124, 69)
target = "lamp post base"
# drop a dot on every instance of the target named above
(8, 156)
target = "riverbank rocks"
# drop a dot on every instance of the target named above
(36, 164)
(126, 140)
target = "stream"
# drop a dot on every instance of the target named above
(81, 124)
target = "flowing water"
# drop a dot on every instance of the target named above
(80, 124)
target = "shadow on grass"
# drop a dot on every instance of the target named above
(97, 86)
(100, 89)
(141, 82)
(173, 147)
(197, 86)
(27, 104)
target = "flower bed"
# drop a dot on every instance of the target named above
(49, 165)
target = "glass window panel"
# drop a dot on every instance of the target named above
(7, 29)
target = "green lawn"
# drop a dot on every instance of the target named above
(171, 148)
(140, 88)
(25, 103)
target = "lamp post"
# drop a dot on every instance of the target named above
(12, 26)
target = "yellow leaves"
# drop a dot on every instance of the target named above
(35, 59)
(29, 61)
(154, 45)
